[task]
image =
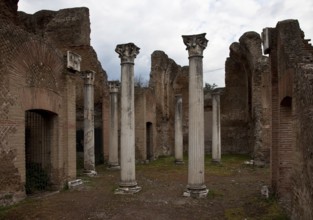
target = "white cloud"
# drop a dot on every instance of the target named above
(158, 25)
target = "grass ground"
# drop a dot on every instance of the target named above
(234, 194)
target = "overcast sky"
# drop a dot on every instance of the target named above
(158, 25)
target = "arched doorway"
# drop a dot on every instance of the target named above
(40, 137)
(149, 141)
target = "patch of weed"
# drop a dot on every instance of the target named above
(235, 214)
(214, 194)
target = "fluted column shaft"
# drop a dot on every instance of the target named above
(196, 184)
(127, 53)
(113, 140)
(216, 128)
(178, 130)
(89, 140)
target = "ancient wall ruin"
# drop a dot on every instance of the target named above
(145, 120)
(291, 58)
(37, 123)
(162, 80)
(69, 29)
(245, 108)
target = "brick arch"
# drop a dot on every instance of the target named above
(37, 64)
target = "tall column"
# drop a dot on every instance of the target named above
(195, 46)
(113, 145)
(128, 183)
(179, 130)
(89, 137)
(216, 127)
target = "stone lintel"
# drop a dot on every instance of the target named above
(195, 44)
(89, 77)
(127, 52)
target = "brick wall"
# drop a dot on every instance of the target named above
(33, 78)
(140, 122)
(245, 109)
(302, 176)
(291, 59)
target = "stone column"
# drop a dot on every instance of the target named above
(113, 145)
(89, 137)
(216, 127)
(195, 46)
(128, 183)
(178, 130)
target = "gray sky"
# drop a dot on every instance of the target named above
(158, 25)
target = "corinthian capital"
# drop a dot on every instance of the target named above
(114, 86)
(89, 77)
(127, 52)
(195, 44)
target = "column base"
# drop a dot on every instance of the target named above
(216, 161)
(200, 192)
(90, 173)
(127, 190)
(179, 162)
(114, 166)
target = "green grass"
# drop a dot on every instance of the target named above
(6, 209)
(214, 194)
(230, 163)
(268, 209)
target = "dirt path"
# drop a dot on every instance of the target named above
(234, 194)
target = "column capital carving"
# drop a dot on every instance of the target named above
(114, 86)
(127, 52)
(89, 77)
(195, 44)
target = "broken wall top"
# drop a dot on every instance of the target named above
(8, 11)
(66, 27)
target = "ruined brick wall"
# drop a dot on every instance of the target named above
(150, 115)
(302, 179)
(208, 122)
(140, 124)
(244, 103)
(181, 86)
(33, 76)
(8, 11)
(291, 60)
(163, 72)
(69, 29)
(234, 110)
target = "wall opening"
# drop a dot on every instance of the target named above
(39, 137)
(149, 141)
